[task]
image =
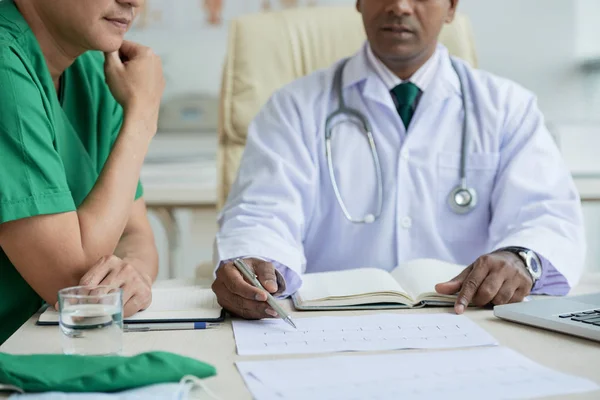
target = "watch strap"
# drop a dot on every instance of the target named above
(517, 250)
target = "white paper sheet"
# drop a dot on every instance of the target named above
(358, 333)
(488, 373)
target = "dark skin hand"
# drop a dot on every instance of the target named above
(241, 298)
(496, 278)
(403, 34)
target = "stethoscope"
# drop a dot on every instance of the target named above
(462, 199)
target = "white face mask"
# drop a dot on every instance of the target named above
(173, 391)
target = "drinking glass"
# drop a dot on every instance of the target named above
(91, 320)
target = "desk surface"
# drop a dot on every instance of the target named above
(180, 170)
(180, 196)
(588, 187)
(194, 195)
(216, 346)
(169, 195)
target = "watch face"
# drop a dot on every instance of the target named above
(535, 267)
(533, 264)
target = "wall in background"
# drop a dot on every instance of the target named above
(588, 29)
(533, 42)
(191, 36)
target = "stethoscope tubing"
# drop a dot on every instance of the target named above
(462, 190)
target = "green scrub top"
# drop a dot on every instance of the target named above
(52, 148)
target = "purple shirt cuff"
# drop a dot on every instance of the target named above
(551, 282)
(292, 279)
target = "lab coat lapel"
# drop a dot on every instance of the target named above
(359, 70)
(444, 85)
(376, 91)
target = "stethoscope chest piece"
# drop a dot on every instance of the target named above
(462, 200)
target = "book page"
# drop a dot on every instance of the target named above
(348, 283)
(420, 276)
(180, 303)
(167, 304)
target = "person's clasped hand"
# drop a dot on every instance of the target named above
(240, 297)
(115, 272)
(496, 278)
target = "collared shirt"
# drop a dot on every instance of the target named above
(422, 78)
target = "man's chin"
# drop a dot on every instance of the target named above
(402, 53)
(108, 44)
(401, 56)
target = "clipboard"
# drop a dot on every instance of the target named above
(169, 305)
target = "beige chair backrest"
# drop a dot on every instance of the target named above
(269, 50)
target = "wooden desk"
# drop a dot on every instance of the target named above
(560, 352)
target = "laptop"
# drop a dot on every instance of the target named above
(573, 315)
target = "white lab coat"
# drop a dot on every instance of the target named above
(282, 206)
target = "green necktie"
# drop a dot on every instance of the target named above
(406, 93)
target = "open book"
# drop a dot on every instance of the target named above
(409, 285)
(174, 304)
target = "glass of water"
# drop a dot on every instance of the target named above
(91, 320)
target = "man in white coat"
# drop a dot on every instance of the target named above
(515, 219)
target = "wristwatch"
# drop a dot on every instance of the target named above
(532, 262)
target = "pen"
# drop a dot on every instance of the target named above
(251, 276)
(174, 326)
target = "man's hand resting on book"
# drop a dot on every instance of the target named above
(241, 298)
(497, 278)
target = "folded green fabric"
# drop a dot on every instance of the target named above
(67, 373)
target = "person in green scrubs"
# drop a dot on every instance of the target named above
(78, 109)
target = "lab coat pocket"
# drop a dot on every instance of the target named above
(473, 226)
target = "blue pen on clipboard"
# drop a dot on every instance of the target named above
(174, 326)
